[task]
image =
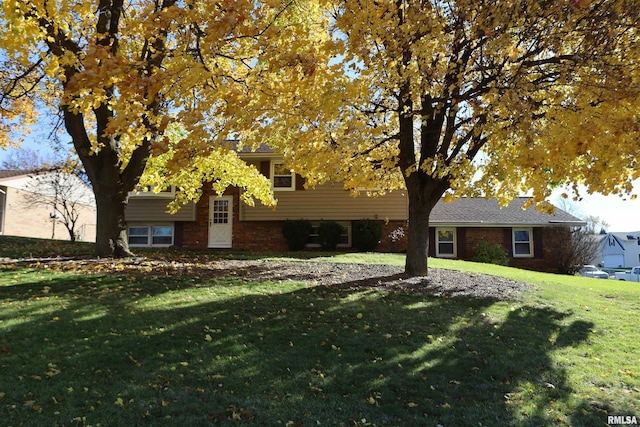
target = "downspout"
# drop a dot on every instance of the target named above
(2, 209)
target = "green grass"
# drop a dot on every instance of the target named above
(24, 247)
(15, 248)
(131, 350)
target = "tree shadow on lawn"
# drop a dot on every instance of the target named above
(178, 351)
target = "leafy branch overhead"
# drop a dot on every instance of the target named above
(534, 90)
(128, 76)
(481, 98)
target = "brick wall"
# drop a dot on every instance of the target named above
(394, 237)
(246, 235)
(545, 258)
(476, 235)
(260, 235)
(267, 236)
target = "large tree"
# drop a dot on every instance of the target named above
(468, 97)
(121, 73)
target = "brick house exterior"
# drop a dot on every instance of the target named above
(531, 238)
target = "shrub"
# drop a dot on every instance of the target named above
(329, 233)
(296, 232)
(366, 234)
(490, 253)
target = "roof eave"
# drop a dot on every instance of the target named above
(512, 224)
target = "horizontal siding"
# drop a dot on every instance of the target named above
(330, 202)
(150, 209)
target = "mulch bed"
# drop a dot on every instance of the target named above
(439, 282)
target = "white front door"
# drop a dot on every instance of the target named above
(220, 221)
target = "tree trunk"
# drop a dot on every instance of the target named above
(111, 227)
(72, 233)
(418, 235)
(423, 192)
(111, 185)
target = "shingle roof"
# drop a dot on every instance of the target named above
(633, 235)
(261, 149)
(487, 212)
(8, 173)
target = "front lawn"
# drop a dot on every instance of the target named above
(81, 349)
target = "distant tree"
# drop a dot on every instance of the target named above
(579, 248)
(26, 159)
(595, 225)
(59, 188)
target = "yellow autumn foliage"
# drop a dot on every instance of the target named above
(483, 98)
(120, 72)
(480, 98)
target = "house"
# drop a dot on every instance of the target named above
(27, 201)
(620, 250)
(225, 222)
(529, 236)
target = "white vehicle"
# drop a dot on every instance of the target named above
(633, 276)
(593, 271)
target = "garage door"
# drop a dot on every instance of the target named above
(613, 261)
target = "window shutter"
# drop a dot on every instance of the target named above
(461, 235)
(432, 242)
(538, 251)
(299, 182)
(508, 241)
(178, 234)
(265, 168)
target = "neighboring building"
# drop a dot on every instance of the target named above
(26, 206)
(530, 237)
(620, 250)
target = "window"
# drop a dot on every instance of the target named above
(169, 192)
(151, 235)
(522, 242)
(281, 177)
(446, 242)
(139, 236)
(162, 235)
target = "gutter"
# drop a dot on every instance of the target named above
(502, 225)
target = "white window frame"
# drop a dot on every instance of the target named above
(454, 243)
(345, 224)
(521, 242)
(273, 176)
(148, 191)
(150, 229)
